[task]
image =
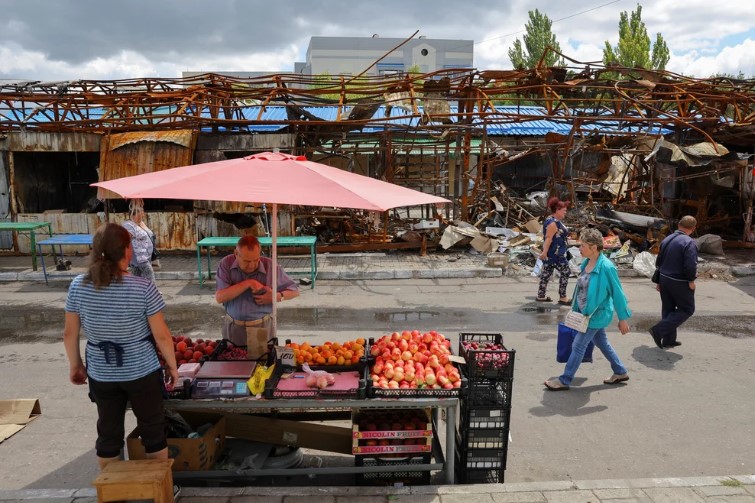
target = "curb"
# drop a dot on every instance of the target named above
(719, 485)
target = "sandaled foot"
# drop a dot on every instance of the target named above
(616, 379)
(555, 385)
(543, 299)
(564, 302)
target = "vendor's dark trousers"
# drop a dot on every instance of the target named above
(677, 305)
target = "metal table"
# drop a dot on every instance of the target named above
(247, 406)
(31, 228)
(282, 241)
(62, 240)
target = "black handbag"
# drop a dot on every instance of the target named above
(656, 276)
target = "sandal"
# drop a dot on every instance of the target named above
(564, 302)
(546, 299)
(555, 385)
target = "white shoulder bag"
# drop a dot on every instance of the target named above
(577, 321)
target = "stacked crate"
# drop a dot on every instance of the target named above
(483, 430)
(388, 437)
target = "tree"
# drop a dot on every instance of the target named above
(538, 38)
(633, 49)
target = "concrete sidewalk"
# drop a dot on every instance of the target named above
(362, 266)
(682, 490)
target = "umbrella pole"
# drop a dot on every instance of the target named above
(275, 269)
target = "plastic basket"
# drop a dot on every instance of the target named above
(488, 393)
(484, 417)
(375, 392)
(472, 476)
(483, 438)
(403, 474)
(487, 459)
(272, 391)
(486, 363)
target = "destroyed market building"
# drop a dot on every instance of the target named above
(630, 147)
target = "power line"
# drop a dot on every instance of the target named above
(554, 21)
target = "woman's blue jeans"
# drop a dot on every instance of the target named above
(581, 341)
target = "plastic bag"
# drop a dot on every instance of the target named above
(256, 383)
(644, 263)
(537, 269)
(317, 378)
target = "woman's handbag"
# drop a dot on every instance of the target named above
(564, 343)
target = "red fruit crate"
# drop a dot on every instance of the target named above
(392, 431)
(483, 362)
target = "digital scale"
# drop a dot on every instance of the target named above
(223, 379)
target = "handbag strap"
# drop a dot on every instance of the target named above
(662, 252)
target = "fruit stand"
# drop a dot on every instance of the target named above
(392, 389)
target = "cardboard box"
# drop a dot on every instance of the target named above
(189, 454)
(284, 432)
(17, 413)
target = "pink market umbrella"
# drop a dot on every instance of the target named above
(270, 177)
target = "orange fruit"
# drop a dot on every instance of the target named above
(332, 360)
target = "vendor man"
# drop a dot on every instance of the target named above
(244, 287)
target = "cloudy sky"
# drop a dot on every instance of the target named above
(101, 39)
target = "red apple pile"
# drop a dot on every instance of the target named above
(411, 360)
(188, 350)
(490, 356)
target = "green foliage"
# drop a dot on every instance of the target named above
(633, 49)
(537, 39)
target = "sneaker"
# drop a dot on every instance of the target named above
(555, 385)
(616, 379)
(672, 344)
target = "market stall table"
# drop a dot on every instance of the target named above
(61, 240)
(240, 407)
(307, 241)
(31, 228)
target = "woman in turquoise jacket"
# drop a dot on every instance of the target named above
(597, 293)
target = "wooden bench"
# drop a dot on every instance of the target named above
(136, 480)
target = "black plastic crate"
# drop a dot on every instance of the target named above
(375, 392)
(488, 393)
(471, 476)
(266, 359)
(487, 459)
(272, 391)
(487, 363)
(403, 474)
(484, 417)
(483, 438)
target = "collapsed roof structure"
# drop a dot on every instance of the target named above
(632, 141)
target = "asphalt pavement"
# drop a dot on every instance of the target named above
(680, 430)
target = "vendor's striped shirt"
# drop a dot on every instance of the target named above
(117, 313)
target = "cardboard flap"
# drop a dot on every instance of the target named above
(19, 411)
(15, 414)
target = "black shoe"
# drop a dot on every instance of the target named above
(672, 344)
(656, 338)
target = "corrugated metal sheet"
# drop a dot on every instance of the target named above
(143, 156)
(182, 137)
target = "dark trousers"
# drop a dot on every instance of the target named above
(677, 305)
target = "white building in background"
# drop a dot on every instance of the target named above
(351, 55)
